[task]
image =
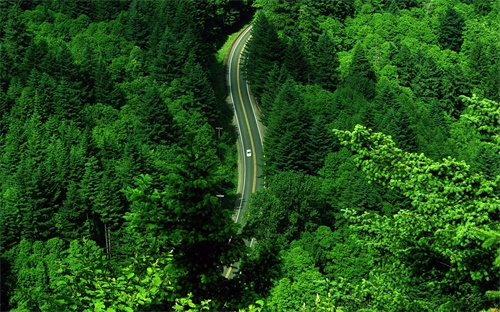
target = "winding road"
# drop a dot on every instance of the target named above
(250, 136)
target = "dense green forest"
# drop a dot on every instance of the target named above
(397, 209)
(110, 160)
(382, 145)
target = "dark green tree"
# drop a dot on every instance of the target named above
(325, 63)
(139, 25)
(198, 225)
(361, 77)
(262, 52)
(320, 143)
(277, 77)
(157, 119)
(168, 62)
(451, 25)
(295, 60)
(195, 82)
(285, 147)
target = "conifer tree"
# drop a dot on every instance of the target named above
(167, 63)
(277, 77)
(195, 82)
(261, 53)
(199, 225)
(138, 24)
(157, 119)
(325, 63)
(361, 74)
(288, 132)
(320, 143)
(295, 60)
(451, 25)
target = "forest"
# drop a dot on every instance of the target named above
(382, 156)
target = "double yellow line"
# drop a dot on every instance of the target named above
(254, 182)
(254, 158)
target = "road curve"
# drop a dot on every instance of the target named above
(248, 126)
(250, 136)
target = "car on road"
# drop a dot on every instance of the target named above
(249, 153)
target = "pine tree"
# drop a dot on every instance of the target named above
(277, 77)
(361, 74)
(156, 118)
(104, 89)
(454, 85)
(325, 63)
(428, 82)
(195, 82)
(478, 64)
(320, 143)
(360, 66)
(138, 25)
(285, 147)
(261, 53)
(167, 63)
(451, 25)
(201, 226)
(405, 61)
(295, 60)
(15, 37)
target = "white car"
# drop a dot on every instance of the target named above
(249, 153)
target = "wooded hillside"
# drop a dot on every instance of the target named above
(397, 209)
(110, 160)
(382, 156)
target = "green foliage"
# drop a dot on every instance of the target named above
(325, 63)
(80, 278)
(451, 24)
(261, 53)
(449, 201)
(93, 95)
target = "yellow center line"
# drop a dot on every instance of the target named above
(229, 271)
(254, 183)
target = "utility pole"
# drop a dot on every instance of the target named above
(220, 196)
(218, 143)
(219, 129)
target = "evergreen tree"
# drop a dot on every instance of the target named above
(195, 83)
(104, 89)
(451, 25)
(325, 63)
(277, 77)
(15, 37)
(199, 225)
(406, 65)
(288, 132)
(167, 63)
(479, 64)
(295, 60)
(320, 143)
(261, 53)
(428, 82)
(138, 24)
(361, 77)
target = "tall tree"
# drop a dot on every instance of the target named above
(451, 25)
(262, 52)
(285, 147)
(325, 63)
(361, 74)
(295, 60)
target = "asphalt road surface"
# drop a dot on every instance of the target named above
(250, 134)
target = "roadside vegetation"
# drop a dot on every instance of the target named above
(397, 208)
(382, 156)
